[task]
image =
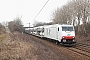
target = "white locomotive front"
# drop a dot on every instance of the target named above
(60, 33)
(68, 34)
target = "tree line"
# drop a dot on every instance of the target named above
(15, 25)
(76, 13)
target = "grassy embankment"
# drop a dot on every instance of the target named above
(2, 38)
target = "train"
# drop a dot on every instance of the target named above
(63, 34)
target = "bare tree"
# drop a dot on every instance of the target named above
(74, 12)
(82, 10)
(63, 15)
(2, 29)
(58, 16)
(16, 25)
(37, 23)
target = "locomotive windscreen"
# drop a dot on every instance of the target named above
(67, 28)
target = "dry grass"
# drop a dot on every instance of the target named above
(83, 39)
(2, 37)
(12, 48)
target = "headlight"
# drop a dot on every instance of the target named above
(74, 40)
(64, 40)
(63, 37)
(73, 37)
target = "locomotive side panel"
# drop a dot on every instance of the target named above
(50, 33)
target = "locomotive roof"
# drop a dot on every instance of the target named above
(56, 25)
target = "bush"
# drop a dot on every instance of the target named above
(15, 26)
(2, 29)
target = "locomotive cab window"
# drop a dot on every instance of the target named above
(58, 28)
(67, 28)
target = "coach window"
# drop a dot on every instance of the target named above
(58, 28)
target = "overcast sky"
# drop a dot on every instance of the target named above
(28, 9)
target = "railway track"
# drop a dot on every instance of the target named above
(59, 48)
(84, 45)
(81, 48)
(80, 51)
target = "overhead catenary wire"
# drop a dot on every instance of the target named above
(41, 9)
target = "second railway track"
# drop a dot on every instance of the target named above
(81, 48)
(80, 51)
